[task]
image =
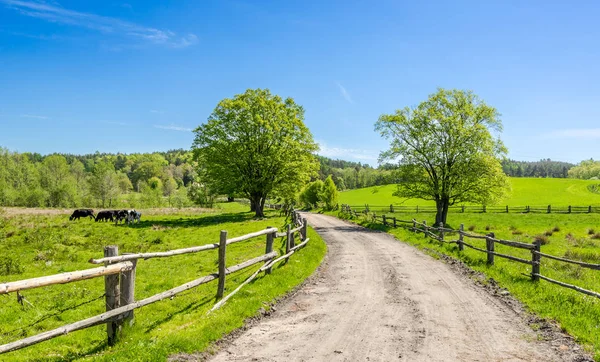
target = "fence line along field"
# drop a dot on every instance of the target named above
(567, 236)
(36, 245)
(538, 192)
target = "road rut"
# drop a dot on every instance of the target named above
(377, 299)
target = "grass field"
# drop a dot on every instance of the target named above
(572, 236)
(525, 191)
(37, 245)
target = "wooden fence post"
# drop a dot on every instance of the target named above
(111, 290)
(569, 209)
(417, 209)
(507, 209)
(414, 225)
(222, 249)
(441, 230)
(463, 209)
(304, 227)
(269, 248)
(590, 209)
(288, 237)
(549, 209)
(535, 261)
(425, 228)
(461, 247)
(489, 241)
(484, 209)
(394, 221)
(384, 220)
(128, 291)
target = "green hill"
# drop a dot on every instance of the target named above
(525, 191)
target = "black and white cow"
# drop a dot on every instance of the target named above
(106, 215)
(82, 213)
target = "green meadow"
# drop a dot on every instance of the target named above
(525, 191)
(38, 245)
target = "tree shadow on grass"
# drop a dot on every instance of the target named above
(182, 222)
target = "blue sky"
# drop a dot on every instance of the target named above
(137, 76)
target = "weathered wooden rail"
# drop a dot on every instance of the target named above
(438, 233)
(544, 209)
(119, 284)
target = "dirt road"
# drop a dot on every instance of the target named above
(377, 299)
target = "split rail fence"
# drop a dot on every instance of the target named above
(546, 209)
(439, 233)
(119, 280)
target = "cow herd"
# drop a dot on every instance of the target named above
(118, 216)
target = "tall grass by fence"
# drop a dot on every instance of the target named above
(440, 233)
(545, 209)
(119, 272)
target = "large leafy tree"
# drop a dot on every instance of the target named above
(256, 144)
(447, 150)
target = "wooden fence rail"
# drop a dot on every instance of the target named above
(438, 233)
(120, 270)
(545, 209)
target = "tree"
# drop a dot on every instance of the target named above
(446, 150)
(170, 188)
(329, 194)
(57, 180)
(311, 195)
(104, 183)
(256, 144)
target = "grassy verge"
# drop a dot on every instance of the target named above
(572, 236)
(36, 245)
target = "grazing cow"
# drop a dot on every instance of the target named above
(106, 215)
(82, 213)
(122, 215)
(135, 216)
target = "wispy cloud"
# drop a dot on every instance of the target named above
(103, 24)
(155, 111)
(348, 153)
(33, 116)
(344, 92)
(173, 128)
(576, 133)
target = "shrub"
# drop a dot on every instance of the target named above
(591, 232)
(517, 232)
(471, 227)
(596, 236)
(488, 228)
(311, 194)
(329, 193)
(556, 229)
(548, 233)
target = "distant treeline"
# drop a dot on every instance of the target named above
(586, 170)
(99, 180)
(353, 175)
(542, 168)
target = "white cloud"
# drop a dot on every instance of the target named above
(103, 24)
(173, 128)
(348, 153)
(344, 93)
(33, 116)
(155, 111)
(577, 133)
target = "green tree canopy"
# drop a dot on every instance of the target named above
(329, 193)
(256, 144)
(446, 150)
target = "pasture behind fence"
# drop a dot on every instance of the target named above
(439, 233)
(505, 209)
(119, 272)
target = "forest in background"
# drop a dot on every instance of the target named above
(169, 179)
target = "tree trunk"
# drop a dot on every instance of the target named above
(441, 211)
(257, 204)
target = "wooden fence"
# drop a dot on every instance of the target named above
(546, 209)
(439, 233)
(119, 280)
